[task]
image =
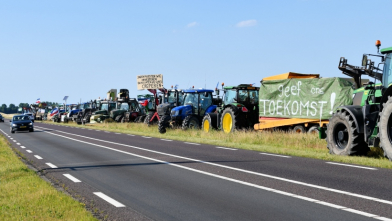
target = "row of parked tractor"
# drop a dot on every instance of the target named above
(353, 114)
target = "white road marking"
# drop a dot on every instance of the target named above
(14, 140)
(348, 165)
(11, 138)
(225, 148)
(219, 165)
(109, 200)
(17, 143)
(90, 129)
(69, 176)
(29, 151)
(51, 165)
(38, 157)
(117, 133)
(166, 140)
(22, 147)
(146, 137)
(130, 135)
(275, 155)
(107, 132)
(192, 143)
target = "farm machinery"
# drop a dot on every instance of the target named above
(128, 109)
(352, 129)
(84, 115)
(239, 109)
(196, 103)
(104, 107)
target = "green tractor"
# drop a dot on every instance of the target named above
(239, 109)
(368, 122)
(103, 112)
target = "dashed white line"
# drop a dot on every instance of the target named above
(117, 133)
(14, 140)
(18, 144)
(107, 132)
(38, 157)
(166, 140)
(109, 199)
(90, 129)
(96, 130)
(29, 151)
(348, 165)
(192, 143)
(146, 137)
(22, 147)
(275, 155)
(51, 165)
(69, 176)
(226, 148)
(131, 135)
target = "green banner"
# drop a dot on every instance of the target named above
(310, 98)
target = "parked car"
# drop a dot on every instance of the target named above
(21, 123)
(30, 115)
(1, 118)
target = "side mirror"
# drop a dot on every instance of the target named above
(364, 60)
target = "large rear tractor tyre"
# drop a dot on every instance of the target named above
(230, 121)
(163, 124)
(342, 136)
(206, 124)
(385, 129)
(190, 122)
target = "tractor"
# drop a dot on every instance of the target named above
(84, 115)
(173, 98)
(239, 109)
(146, 102)
(367, 123)
(197, 103)
(128, 109)
(103, 112)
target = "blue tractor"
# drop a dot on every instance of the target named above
(197, 103)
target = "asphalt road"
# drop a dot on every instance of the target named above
(127, 177)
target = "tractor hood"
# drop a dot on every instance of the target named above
(181, 110)
(100, 112)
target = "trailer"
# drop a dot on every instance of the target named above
(300, 102)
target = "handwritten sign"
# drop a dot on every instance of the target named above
(154, 81)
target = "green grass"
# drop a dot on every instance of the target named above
(302, 145)
(25, 196)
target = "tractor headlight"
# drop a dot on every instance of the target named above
(14, 125)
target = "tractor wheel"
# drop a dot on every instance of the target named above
(122, 120)
(141, 119)
(163, 124)
(206, 123)
(299, 129)
(118, 118)
(137, 119)
(230, 121)
(190, 122)
(148, 118)
(342, 136)
(313, 130)
(385, 128)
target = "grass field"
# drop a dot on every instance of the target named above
(25, 196)
(303, 145)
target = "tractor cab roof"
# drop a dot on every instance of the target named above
(386, 50)
(242, 87)
(200, 90)
(289, 75)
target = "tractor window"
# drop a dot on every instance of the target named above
(191, 98)
(112, 106)
(387, 74)
(171, 98)
(205, 102)
(253, 97)
(230, 96)
(104, 107)
(124, 106)
(180, 97)
(243, 96)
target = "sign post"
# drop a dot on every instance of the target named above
(154, 81)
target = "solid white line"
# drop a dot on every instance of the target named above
(29, 151)
(109, 200)
(275, 155)
(225, 148)
(359, 212)
(38, 157)
(51, 165)
(348, 165)
(192, 143)
(22, 147)
(166, 140)
(17, 143)
(69, 176)
(146, 137)
(227, 167)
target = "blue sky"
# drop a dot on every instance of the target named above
(82, 49)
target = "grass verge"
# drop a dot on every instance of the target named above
(302, 145)
(25, 196)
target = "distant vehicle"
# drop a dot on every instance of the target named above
(1, 118)
(31, 116)
(21, 123)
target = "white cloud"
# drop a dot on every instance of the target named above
(246, 23)
(192, 24)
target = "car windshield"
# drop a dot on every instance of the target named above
(19, 118)
(191, 98)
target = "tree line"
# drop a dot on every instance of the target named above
(12, 108)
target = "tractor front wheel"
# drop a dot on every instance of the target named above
(342, 136)
(230, 121)
(190, 122)
(163, 124)
(148, 118)
(385, 129)
(206, 123)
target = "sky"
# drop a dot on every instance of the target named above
(82, 49)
